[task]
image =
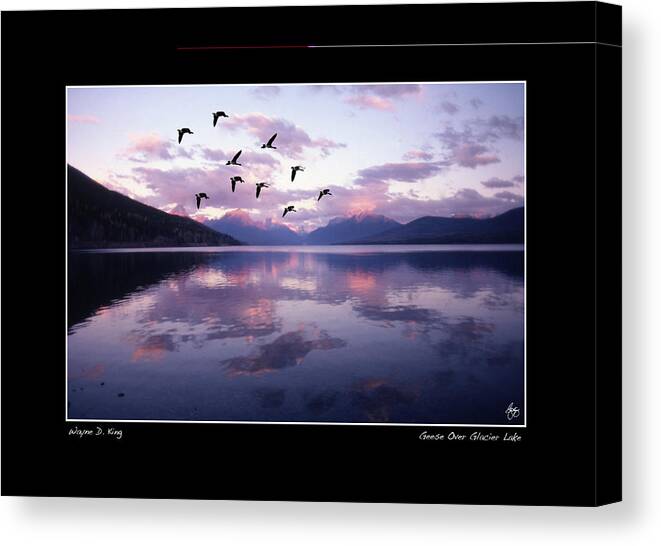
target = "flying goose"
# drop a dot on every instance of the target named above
(233, 160)
(182, 132)
(269, 144)
(294, 170)
(261, 185)
(217, 115)
(322, 193)
(290, 208)
(199, 197)
(234, 180)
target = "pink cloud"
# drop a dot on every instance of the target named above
(151, 146)
(292, 140)
(261, 165)
(77, 118)
(388, 90)
(374, 102)
(252, 158)
(173, 190)
(418, 154)
(177, 210)
(244, 218)
(379, 97)
(179, 186)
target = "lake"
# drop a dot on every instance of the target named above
(343, 334)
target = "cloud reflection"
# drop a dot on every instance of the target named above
(287, 350)
(420, 335)
(377, 398)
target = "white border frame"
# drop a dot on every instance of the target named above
(525, 261)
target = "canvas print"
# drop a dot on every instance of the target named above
(325, 253)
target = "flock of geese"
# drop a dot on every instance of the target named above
(234, 161)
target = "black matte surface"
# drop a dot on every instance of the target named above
(556, 460)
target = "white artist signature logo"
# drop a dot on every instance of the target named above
(512, 412)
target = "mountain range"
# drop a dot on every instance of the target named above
(377, 229)
(502, 229)
(238, 224)
(102, 218)
(344, 230)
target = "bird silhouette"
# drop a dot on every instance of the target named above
(217, 115)
(234, 180)
(199, 197)
(233, 160)
(182, 132)
(294, 170)
(269, 144)
(261, 185)
(322, 193)
(290, 208)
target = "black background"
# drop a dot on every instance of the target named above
(555, 463)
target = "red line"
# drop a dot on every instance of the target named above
(202, 48)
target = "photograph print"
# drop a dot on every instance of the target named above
(349, 254)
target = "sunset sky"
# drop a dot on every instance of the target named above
(402, 150)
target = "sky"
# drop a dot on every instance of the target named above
(401, 150)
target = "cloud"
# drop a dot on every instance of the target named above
(179, 185)
(240, 216)
(378, 97)
(464, 149)
(374, 102)
(77, 118)
(248, 157)
(401, 172)
(472, 155)
(292, 140)
(509, 196)
(475, 103)
(470, 202)
(449, 107)
(496, 183)
(403, 208)
(483, 131)
(265, 92)
(175, 189)
(375, 199)
(151, 146)
(387, 90)
(418, 154)
(497, 127)
(128, 185)
(470, 146)
(176, 209)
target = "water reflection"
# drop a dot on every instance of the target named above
(289, 349)
(413, 336)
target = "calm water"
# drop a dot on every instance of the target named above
(329, 334)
